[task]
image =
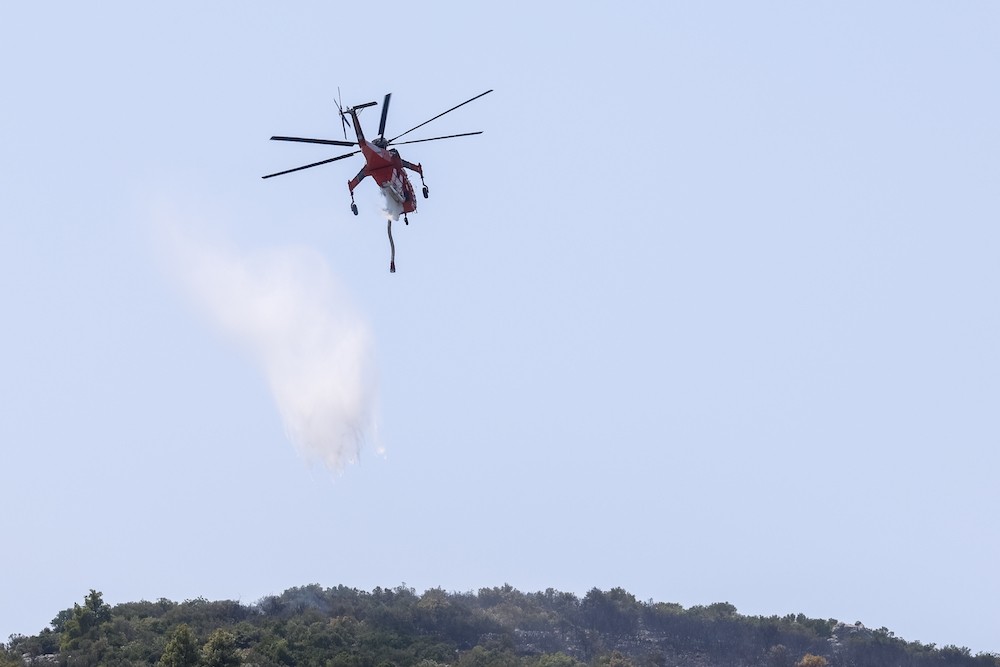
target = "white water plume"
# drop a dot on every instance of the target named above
(393, 208)
(293, 316)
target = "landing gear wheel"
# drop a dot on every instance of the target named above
(427, 192)
(405, 219)
(354, 209)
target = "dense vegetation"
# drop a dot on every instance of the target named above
(496, 627)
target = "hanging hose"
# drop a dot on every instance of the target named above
(392, 247)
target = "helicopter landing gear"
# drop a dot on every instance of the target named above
(426, 190)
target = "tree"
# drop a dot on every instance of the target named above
(8, 658)
(810, 660)
(779, 656)
(488, 655)
(558, 659)
(81, 627)
(181, 649)
(615, 612)
(615, 659)
(498, 627)
(220, 650)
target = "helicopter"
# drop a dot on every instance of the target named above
(382, 161)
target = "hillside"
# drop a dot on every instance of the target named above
(497, 627)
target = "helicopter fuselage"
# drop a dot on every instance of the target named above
(388, 169)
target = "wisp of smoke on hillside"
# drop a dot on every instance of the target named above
(286, 308)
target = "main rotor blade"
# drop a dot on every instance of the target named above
(440, 114)
(340, 109)
(450, 136)
(385, 111)
(314, 164)
(305, 140)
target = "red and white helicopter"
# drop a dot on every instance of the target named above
(382, 162)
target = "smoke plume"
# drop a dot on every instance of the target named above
(286, 308)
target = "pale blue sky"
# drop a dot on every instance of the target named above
(709, 312)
